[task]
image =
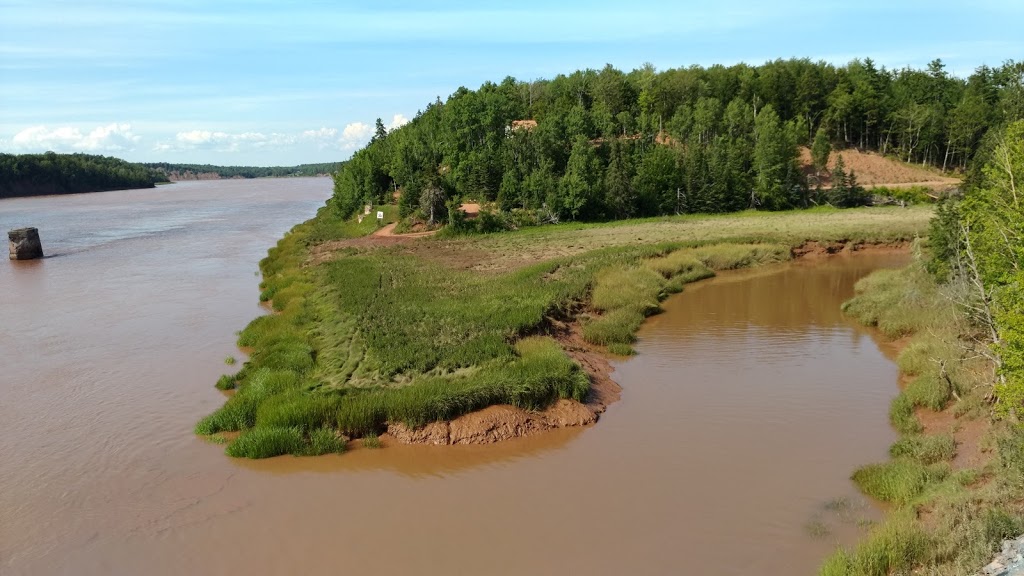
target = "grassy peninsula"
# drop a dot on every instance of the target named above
(370, 331)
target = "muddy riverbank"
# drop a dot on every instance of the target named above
(504, 422)
(749, 403)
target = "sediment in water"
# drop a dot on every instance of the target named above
(504, 422)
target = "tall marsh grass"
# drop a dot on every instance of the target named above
(627, 295)
(380, 335)
(943, 521)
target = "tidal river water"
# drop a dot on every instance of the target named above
(751, 401)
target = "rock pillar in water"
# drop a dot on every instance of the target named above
(25, 244)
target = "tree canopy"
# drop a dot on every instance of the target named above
(602, 144)
(51, 173)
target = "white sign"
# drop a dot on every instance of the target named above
(380, 215)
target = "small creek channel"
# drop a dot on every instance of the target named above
(750, 403)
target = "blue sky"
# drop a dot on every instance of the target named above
(280, 83)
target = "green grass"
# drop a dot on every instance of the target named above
(371, 441)
(431, 330)
(925, 449)
(892, 548)
(943, 521)
(225, 382)
(626, 295)
(230, 360)
(899, 481)
(621, 349)
(267, 442)
(902, 417)
(324, 441)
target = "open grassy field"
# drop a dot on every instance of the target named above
(377, 330)
(496, 253)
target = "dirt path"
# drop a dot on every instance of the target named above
(389, 232)
(384, 236)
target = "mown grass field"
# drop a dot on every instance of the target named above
(428, 329)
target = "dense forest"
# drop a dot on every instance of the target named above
(979, 241)
(51, 173)
(176, 171)
(609, 144)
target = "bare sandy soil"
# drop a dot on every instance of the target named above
(968, 433)
(874, 169)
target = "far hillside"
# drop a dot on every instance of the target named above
(608, 144)
(175, 172)
(51, 173)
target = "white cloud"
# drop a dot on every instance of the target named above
(110, 138)
(398, 121)
(321, 134)
(197, 137)
(225, 141)
(324, 137)
(355, 135)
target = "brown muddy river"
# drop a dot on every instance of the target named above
(749, 405)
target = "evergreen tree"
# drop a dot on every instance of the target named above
(657, 182)
(820, 150)
(775, 157)
(580, 188)
(620, 196)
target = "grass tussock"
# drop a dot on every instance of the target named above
(371, 441)
(899, 481)
(902, 417)
(621, 349)
(892, 548)
(225, 382)
(927, 449)
(267, 442)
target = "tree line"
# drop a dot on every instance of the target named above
(977, 246)
(51, 173)
(606, 144)
(178, 171)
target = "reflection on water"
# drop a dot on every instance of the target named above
(749, 405)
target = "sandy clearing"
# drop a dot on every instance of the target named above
(873, 169)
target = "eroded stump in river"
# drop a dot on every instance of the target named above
(25, 244)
